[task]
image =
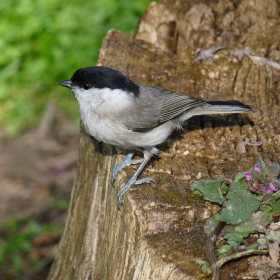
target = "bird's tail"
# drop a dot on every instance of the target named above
(230, 106)
(221, 107)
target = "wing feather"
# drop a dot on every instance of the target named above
(157, 106)
(175, 104)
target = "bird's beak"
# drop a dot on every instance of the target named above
(65, 83)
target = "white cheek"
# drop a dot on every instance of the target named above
(103, 100)
(114, 100)
(87, 97)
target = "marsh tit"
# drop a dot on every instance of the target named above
(132, 116)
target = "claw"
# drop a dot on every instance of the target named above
(132, 181)
(127, 161)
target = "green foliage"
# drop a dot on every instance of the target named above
(248, 205)
(204, 267)
(16, 243)
(245, 231)
(234, 237)
(210, 189)
(276, 207)
(249, 192)
(240, 204)
(225, 250)
(43, 42)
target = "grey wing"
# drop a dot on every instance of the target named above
(157, 106)
(175, 104)
(143, 114)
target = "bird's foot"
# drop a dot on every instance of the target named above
(132, 181)
(127, 161)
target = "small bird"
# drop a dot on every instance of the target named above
(132, 116)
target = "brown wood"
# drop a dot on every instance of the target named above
(159, 234)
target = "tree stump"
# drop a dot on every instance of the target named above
(159, 234)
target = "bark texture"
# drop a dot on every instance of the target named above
(159, 232)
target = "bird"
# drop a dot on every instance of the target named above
(136, 117)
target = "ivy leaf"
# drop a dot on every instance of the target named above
(210, 189)
(240, 204)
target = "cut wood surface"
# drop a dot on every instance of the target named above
(158, 234)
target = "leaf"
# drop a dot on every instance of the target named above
(277, 194)
(260, 177)
(261, 164)
(276, 207)
(253, 246)
(238, 238)
(210, 189)
(239, 176)
(224, 188)
(272, 171)
(205, 267)
(266, 208)
(239, 206)
(233, 243)
(225, 250)
(245, 231)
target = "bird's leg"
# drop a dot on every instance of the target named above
(133, 180)
(127, 161)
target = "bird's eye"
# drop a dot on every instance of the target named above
(86, 86)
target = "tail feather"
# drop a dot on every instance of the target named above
(222, 107)
(230, 105)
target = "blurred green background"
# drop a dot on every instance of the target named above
(42, 42)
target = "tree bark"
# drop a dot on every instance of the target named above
(159, 234)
